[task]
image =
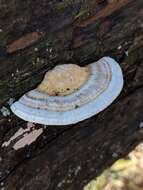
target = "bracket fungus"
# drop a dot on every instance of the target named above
(70, 93)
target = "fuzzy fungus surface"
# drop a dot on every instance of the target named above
(64, 80)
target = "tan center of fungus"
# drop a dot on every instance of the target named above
(64, 80)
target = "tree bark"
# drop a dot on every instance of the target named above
(34, 37)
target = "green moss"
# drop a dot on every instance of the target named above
(4, 95)
(64, 4)
(81, 14)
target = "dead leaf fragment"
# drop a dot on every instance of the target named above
(23, 42)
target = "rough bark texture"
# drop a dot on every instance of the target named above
(37, 35)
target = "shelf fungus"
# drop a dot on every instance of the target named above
(70, 93)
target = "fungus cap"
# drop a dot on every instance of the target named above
(70, 93)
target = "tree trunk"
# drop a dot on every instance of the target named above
(37, 35)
